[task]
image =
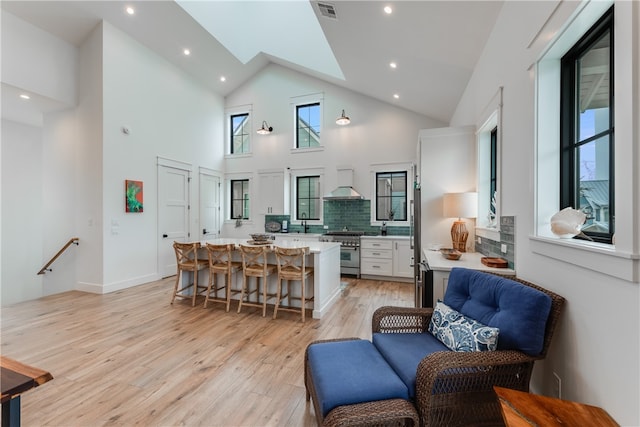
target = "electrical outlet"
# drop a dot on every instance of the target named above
(479, 240)
(503, 248)
(326, 227)
(557, 386)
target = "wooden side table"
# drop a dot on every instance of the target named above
(16, 378)
(520, 409)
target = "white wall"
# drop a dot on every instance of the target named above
(21, 215)
(378, 133)
(596, 348)
(169, 115)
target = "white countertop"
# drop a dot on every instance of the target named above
(314, 247)
(468, 260)
(386, 237)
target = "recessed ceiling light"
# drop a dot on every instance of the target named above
(130, 10)
(393, 65)
(186, 52)
(24, 96)
(223, 79)
(396, 96)
(388, 10)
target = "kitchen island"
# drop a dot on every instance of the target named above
(324, 257)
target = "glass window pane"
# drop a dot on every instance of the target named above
(593, 89)
(593, 184)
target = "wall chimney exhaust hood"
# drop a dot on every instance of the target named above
(345, 190)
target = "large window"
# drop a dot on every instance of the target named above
(587, 129)
(391, 196)
(240, 133)
(308, 125)
(308, 202)
(240, 199)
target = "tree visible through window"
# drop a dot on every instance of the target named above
(587, 129)
(240, 199)
(308, 197)
(391, 196)
(308, 125)
(240, 133)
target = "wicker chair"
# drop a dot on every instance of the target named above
(292, 267)
(456, 388)
(220, 262)
(187, 261)
(254, 264)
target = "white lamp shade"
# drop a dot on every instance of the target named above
(460, 205)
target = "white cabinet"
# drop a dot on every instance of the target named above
(402, 258)
(271, 189)
(440, 282)
(376, 257)
(298, 237)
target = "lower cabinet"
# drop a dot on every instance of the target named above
(376, 257)
(386, 257)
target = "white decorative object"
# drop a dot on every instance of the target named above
(567, 223)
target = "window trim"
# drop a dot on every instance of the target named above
(319, 198)
(231, 199)
(406, 195)
(492, 119)
(305, 100)
(232, 111)
(568, 142)
(231, 136)
(391, 167)
(622, 258)
(293, 175)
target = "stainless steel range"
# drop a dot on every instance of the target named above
(349, 249)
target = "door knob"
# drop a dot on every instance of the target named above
(164, 236)
(204, 231)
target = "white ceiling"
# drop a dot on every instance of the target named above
(435, 43)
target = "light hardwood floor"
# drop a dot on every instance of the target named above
(131, 358)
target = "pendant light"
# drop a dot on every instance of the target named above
(343, 120)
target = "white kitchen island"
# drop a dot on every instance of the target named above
(324, 257)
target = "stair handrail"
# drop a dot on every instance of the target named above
(73, 240)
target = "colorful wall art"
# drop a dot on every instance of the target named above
(133, 195)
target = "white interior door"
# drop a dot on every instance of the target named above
(209, 206)
(173, 214)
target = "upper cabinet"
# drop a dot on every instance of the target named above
(271, 193)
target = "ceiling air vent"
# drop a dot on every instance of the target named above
(327, 10)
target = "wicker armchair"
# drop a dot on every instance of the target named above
(456, 388)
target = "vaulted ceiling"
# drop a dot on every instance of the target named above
(434, 44)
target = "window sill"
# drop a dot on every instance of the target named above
(307, 150)
(237, 155)
(599, 257)
(488, 233)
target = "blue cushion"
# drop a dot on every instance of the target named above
(520, 312)
(404, 353)
(461, 333)
(349, 372)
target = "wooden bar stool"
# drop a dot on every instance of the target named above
(220, 262)
(254, 264)
(292, 266)
(187, 261)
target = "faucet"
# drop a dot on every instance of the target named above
(305, 227)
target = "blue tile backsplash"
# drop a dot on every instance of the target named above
(491, 248)
(338, 214)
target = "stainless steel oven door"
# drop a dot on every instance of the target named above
(350, 260)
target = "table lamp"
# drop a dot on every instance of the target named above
(460, 205)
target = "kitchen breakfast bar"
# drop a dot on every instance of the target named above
(324, 257)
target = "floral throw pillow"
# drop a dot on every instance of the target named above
(461, 333)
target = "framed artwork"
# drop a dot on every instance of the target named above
(133, 195)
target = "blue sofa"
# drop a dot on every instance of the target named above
(444, 361)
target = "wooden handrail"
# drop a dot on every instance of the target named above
(69, 243)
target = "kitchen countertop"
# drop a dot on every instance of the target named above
(386, 237)
(314, 247)
(468, 260)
